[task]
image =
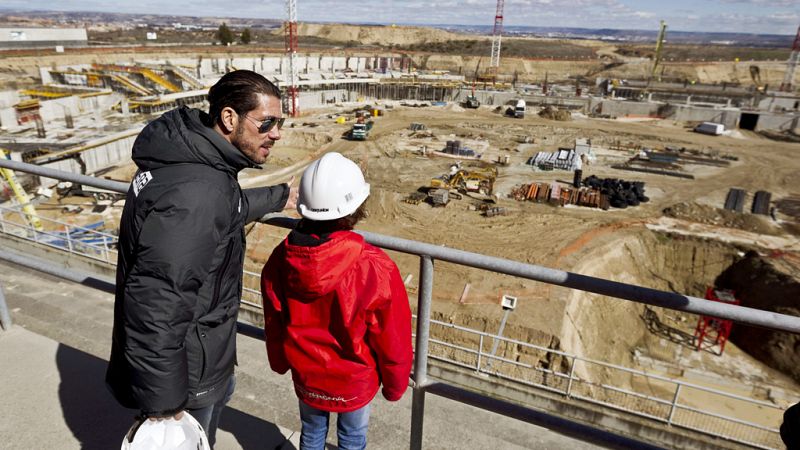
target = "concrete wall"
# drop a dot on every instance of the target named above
(727, 117)
(215, 67)
(8, 116)
(57, 108)
(8, 98)
(493, 98)
(22, 37)
(95, 159)
(774, 104)
(781, 122)
(622, 108)
(684, 113)
(58, 257)
(316, 99)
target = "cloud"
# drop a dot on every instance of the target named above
(771, 3)
(754, 16)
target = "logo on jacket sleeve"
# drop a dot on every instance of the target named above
(140, 181)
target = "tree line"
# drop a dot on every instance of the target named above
(226, 37)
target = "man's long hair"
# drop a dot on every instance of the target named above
(239, 90)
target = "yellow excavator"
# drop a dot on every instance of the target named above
(464, 181)
(22, 196)
(477, 183)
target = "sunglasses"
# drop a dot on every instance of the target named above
(264, 126)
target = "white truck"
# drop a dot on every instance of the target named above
(714, 129)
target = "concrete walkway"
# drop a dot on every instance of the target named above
(52, 396)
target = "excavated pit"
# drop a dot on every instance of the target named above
(770, 283)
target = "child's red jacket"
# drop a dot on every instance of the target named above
(337, 315)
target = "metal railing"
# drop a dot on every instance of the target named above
(670, 408)
(84, 241)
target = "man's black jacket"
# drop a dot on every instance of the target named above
(179, 273)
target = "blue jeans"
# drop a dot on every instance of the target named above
(351, 428)
(208, 417)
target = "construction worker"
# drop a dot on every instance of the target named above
(335, 309)
(181, 250)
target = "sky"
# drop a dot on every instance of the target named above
(743, 16)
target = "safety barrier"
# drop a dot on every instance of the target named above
(671, 408)
(84, 241)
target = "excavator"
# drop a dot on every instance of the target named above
(477, 183)
(471, 101)
(465, 181)
(755, 74)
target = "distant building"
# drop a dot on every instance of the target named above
(13, 38)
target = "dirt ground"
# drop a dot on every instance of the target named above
(680, 240)
(634, 245)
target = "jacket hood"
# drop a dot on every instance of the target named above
(315, 271)
(185, 135)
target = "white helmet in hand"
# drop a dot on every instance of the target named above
(167, 434)
(332, 187)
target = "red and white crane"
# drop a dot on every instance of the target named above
(791, 65)
(290, 40)
(497, 33)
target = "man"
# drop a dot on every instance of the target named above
(181, 250)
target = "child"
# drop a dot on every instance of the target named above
(335, 309)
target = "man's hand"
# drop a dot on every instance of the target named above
(178, 416)
(291, 202)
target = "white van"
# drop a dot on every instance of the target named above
(519, 111)
(711, 128)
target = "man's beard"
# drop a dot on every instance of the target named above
(249, 148)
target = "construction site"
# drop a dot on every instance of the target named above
(673, 175)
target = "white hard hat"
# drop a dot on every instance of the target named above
(332, 187)
(167, 434)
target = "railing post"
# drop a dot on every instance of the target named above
(480, 353)
(571, 374)
(5, 318)
(105, 247)
(674, 403)
(32, 230)
(421, 350)
(69, 238)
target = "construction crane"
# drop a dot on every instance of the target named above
(290, 39)
(791, 65)
(22, 196)
(662, 33)
(494, 65)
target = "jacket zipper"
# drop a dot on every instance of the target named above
(218, 282)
